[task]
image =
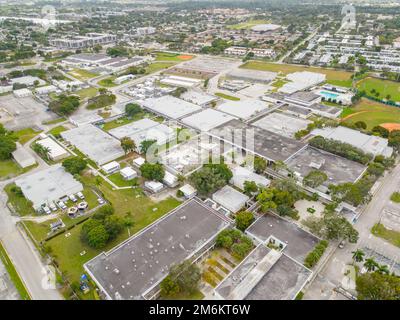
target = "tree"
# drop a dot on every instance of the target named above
(7, 144)
(380, 131)
(132, 109)
(113, 225)
(74, 165)
(146, 144)
(370, 264)
(383, 269)
(360, 125)
(152, 171)
(376, 286)
(265, 199)
(169, 287)
(250, 187)
(211, 178)
(315, 178)
(358, 255)
(128, 145)
(97, 237)
(65, 105)
(41, 150)
(260, 165)
(244, 219)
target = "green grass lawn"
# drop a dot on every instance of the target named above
(119, 181)
(384, 87)
(87, 93)
(246, 25)
(25, 135)
(392, 236)
(279, 83)
(334, 77)
(123, 121)
(14, 276)
(157, 66)
(19, 203)
(107, 82)
(372, 113)
(395, 197)
(57, 130)
(9, 169)
(82, 74)
(175, 57)
(226, 96)
(55, 121)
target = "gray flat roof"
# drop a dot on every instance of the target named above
(283, 281)
(281, 124)
(266, 143)
(304, 96)
(230, 198)
(95, 143)
(132, 128)
(254, 75)
(140, 263)
(243, 109)
(265, 274)
(298, 241)
(339, 170)
(48, 185)
(171, 107)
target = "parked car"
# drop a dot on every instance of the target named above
(80, 195)
(341, 244)
(73, 198)
(61, 205)
(53, 207)
(46, 210)
(100, 201)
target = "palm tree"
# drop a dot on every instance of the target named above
(370, 264)
(383, 269)
(358, 255)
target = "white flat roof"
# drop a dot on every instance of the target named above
(23, 157)
(55, 150)
(207, 119)
(197, 97)
(240, 175)
(243, 109)
(170, 106)
(111, 165)
(128, 171)
(132, 128)
(48, 185)
(95, 143)
(230, 198)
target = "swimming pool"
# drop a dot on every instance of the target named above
(328, 95)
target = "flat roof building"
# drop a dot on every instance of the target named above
(48, 185)
(369, 144)
(230, 199)
(241, 175)
(252, 75)
(134, 269)
(302, 80)
(171, 107)
(207, 119)
(243, 109)
(95, 143)
(198, 97)
(23, 158)
(55, 151)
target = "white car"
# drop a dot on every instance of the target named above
(80, 195)
(46, 210)
(53, 207)
(61, 205)
(100, 201)
(73, 198)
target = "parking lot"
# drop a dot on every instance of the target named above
(24, 112)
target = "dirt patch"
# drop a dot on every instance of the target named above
(391, 126)
(185, 57)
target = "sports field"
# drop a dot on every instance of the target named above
(246, 25)
(372, 113)
(175, 57)
(387, 89)
(334, 77)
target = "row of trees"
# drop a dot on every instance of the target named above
(342, 149)
(237, 243)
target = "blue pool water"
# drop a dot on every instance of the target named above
(328, 95)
